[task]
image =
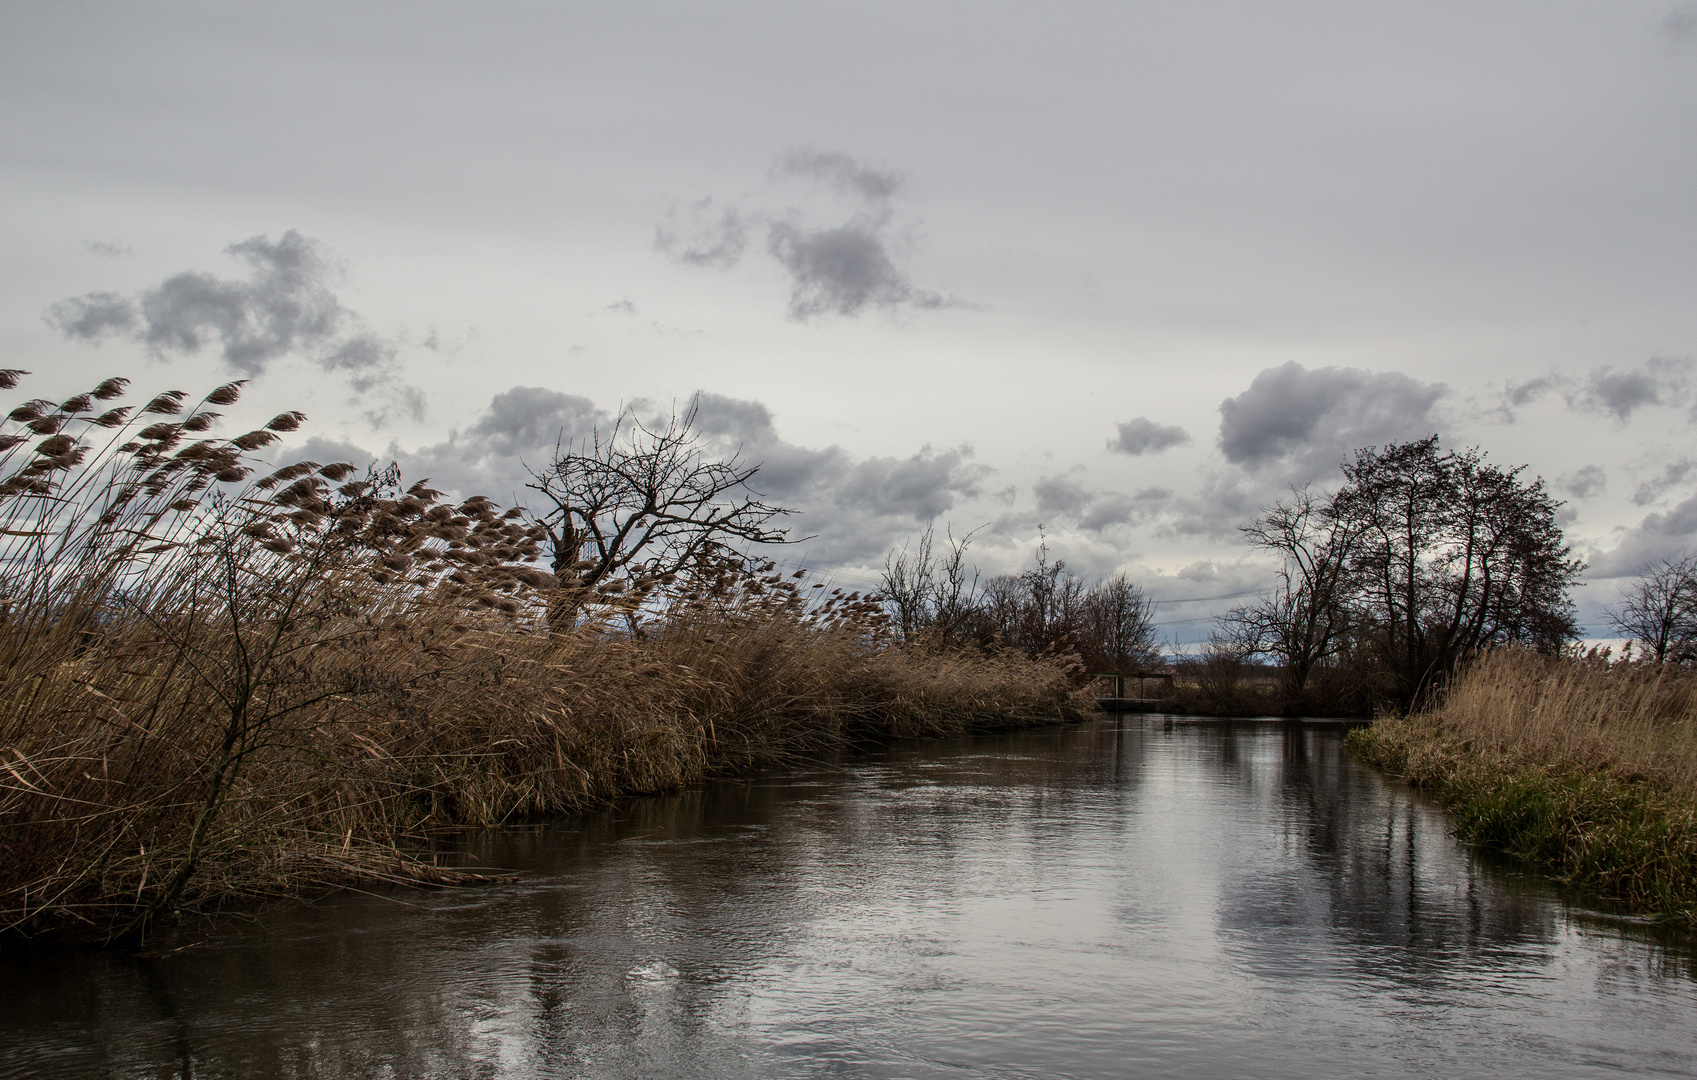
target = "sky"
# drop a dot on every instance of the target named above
(1109, 276)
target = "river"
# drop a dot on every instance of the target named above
(1133, 897)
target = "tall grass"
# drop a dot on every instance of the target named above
(215, 687)
(1584, 766)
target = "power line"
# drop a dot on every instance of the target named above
(1200, 599)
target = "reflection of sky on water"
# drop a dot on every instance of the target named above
(1152, 898)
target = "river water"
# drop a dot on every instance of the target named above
(1130, 897)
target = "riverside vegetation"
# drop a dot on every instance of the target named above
(215, 687)
(1584, 766)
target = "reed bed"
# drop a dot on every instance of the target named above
(215, 688)
(1586, 767)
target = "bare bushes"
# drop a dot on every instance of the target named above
(935, 597)
(1585, 766)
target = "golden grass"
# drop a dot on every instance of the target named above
(1586, 767)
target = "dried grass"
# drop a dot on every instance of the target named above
(209, 697)
(1586, 767)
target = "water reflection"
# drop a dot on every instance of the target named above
(1147, 897)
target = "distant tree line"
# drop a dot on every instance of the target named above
(1658, 611)
(1421, 558)
(935, 597)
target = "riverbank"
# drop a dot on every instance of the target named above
(468, 725)
(1586, 768)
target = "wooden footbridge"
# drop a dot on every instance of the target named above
(1122, 680)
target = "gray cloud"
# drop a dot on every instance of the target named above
(1665, 535)
(111, 249)
(703, 234)
(1094, 509)
(284, 306)
(1516, 394)
(1214, 509)
(520, 427)
(1143, 436)
(1672, 474)
(857, 506)
(842, 269)
(94, 316)
(1306, 422)
(1619, 393)
(1584, 483)
(847, 175)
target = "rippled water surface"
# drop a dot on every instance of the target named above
(1117, 898)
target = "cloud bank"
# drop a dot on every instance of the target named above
(857, 507)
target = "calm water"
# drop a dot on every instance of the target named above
(1109, 899)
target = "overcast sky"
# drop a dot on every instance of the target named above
(1122, 271)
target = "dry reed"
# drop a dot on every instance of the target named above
(214, 689)
(1584, 766)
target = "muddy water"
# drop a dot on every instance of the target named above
(1146, 897)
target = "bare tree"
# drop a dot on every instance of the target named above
(638, 504)
(1659, 609)
(930, 593)
(1304, 620)
(1119, 626)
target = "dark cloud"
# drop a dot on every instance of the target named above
(1515, 395)
(733, 418)
(522, 426)
(94, 316)
(284, 306)
(858, 507)
(1585, 483)
(1304, 423)
(1665, 535)
(703, 234)
(1619, 393)
(111, 249)
(1672, 474)
(1060, 495)
(869, 183)
(841, 269)
(1143, 436)
(326, 450)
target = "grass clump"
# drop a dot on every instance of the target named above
(1585, 767)
(218, 682)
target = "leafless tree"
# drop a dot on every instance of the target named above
(932, 593)
(1304, 620)
(1659, 609)
(1118, 630)
(639, 504)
